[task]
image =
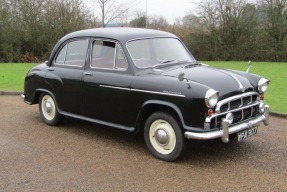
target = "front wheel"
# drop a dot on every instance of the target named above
(164, 137)
(48, 110)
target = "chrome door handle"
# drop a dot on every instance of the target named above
(50, 69)
(88, 74)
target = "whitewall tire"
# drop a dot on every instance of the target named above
(164, 137)
(48, 110)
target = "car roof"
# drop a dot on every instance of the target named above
(122, 34)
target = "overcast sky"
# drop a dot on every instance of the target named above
(170, 9)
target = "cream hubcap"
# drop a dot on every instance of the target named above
(48, 107)
(162, 137)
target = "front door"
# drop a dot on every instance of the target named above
(106, 85)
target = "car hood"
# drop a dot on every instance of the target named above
(222, 80)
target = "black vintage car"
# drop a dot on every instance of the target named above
(141, 79)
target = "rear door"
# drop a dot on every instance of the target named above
(65, 75)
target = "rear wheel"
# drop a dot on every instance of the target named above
(48, 110)
(164, 137)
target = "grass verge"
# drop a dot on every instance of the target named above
(12, 77)
(276, 72)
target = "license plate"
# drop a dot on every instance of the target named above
(246, 133)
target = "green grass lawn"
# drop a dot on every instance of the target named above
(12, 76)
(276, 72)
(12, 79)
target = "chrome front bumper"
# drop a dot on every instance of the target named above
(23, 96)
(228, 130)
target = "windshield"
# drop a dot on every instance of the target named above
(158, 51)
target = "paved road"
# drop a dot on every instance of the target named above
(81, 156)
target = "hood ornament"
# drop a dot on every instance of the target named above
(249, 66)
(182, 77)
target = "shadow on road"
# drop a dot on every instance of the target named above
(211, 151)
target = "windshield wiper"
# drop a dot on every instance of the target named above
(162, 63)
(157, 65)
(192, 65)
(167, 61)
(183, 61)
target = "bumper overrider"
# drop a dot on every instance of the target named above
(23, 96)
(227, 129)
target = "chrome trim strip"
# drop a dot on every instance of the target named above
(232, 129)
(144, 91)
(155, 92)
(241, 87)
(112, 87)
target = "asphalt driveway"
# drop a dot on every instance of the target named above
(81, 156)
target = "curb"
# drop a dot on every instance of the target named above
(10, 92)
(281, 115)
(275, 114)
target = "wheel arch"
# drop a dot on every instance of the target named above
(152, 106)
(37, 94)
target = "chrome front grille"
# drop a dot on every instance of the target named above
(243, 107)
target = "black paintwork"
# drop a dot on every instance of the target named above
(122, 98)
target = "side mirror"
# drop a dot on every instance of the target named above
(182, 77)
(47, 62)
(249, 66)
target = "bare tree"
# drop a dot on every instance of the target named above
(139, 21)
(158, 22)
(229, 24)
(111, 10)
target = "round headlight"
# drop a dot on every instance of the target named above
(211, 98)
(262, 85)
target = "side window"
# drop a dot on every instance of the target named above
(61, 56)
(140, 51)
(73, 54)
(107, 55)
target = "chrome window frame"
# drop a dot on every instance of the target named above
(114, 65)
(66, 43)
(155, 37)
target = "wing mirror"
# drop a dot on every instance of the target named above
(182, 77)
(47, 63)
(249, 66)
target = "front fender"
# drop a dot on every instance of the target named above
(152, 106)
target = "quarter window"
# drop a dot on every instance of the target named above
(61, 56)
(73, 53)
(108, 55)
